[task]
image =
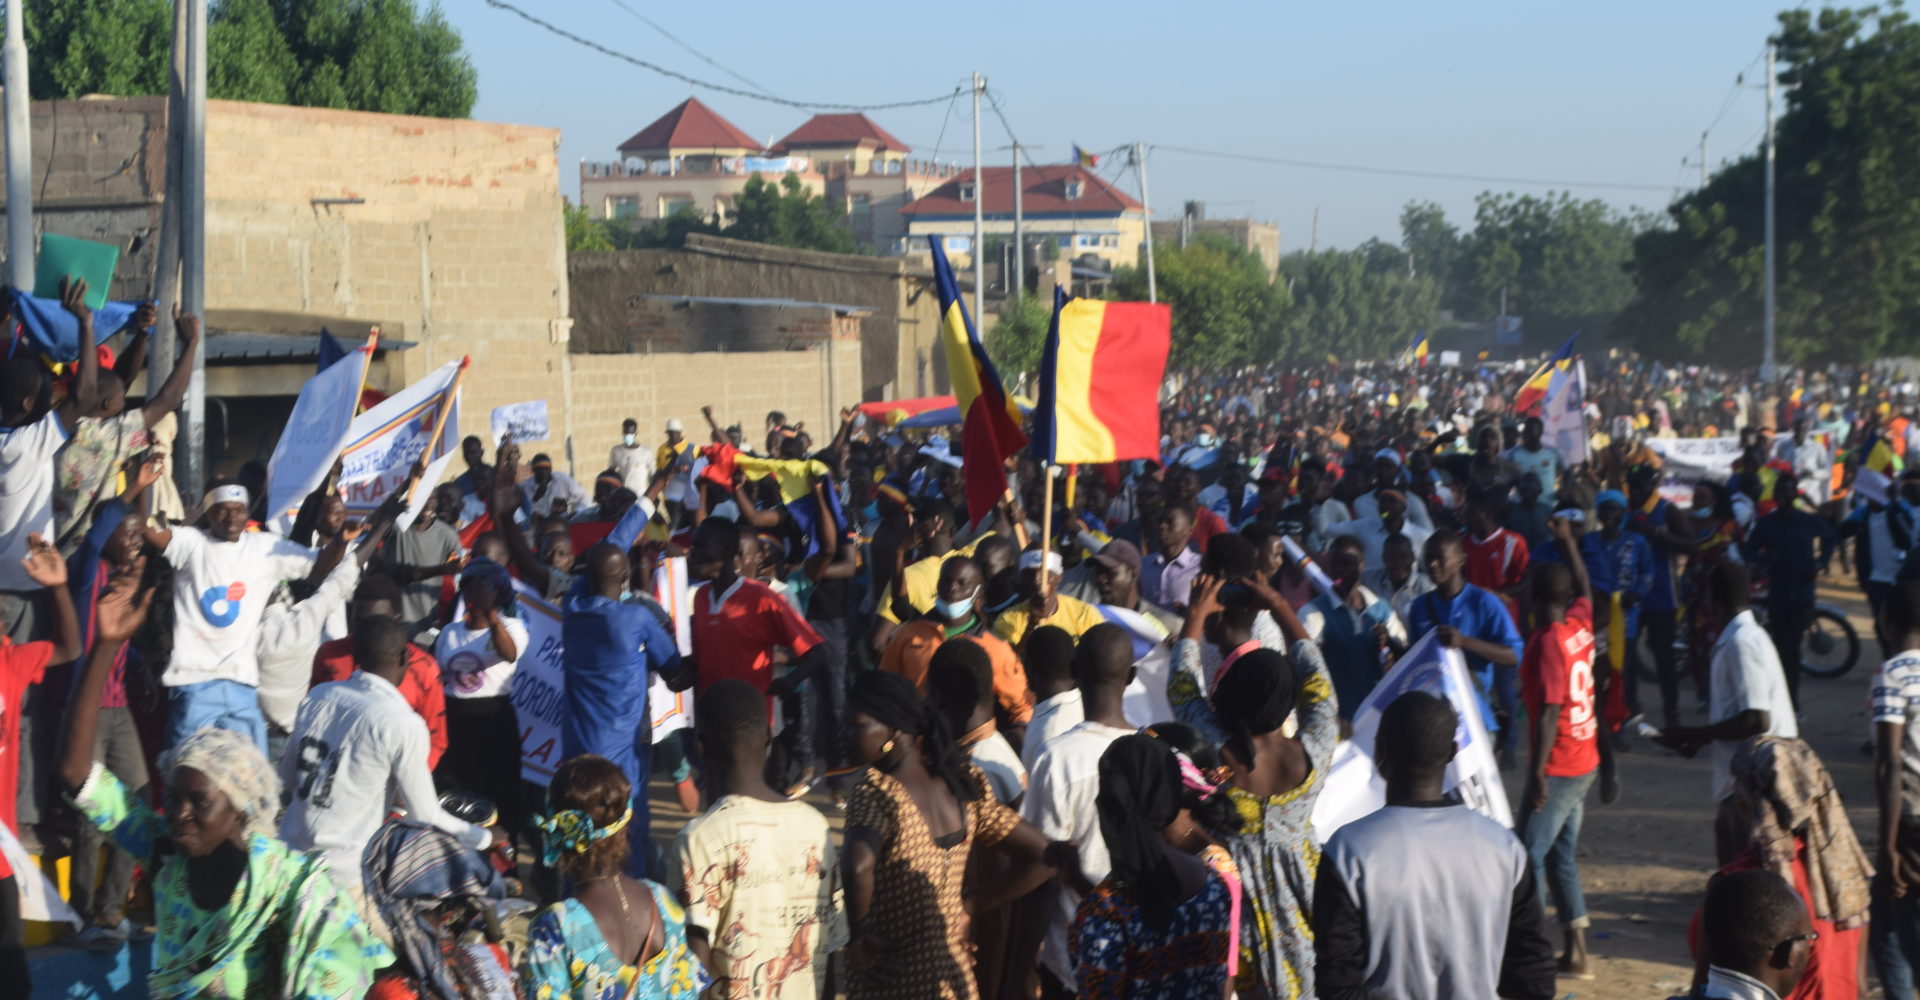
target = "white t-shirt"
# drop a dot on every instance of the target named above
(995, 758)
(1746, 673)
(356, 747)
(1060, 801)
(26, 493)
(220, 590)
(469, 664)
(1545, 464)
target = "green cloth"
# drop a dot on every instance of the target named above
(287, 932)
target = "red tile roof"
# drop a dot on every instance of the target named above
(690, 125)
(851, 129)
(1045, 194)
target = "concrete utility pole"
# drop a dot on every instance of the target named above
(19, 129)
(1767, 321)
(1018, 285)
(1146, 209)
(1703, 159)
(193, 242)
(166, 269)
(979, 220)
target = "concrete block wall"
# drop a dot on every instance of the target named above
(808, 385)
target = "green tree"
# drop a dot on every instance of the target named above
(367, 55)
(1016, 342)
(1848, 223)
(1357, 303)
(788, 215)
(1561, 262)
(1226, 309)
(1436, 247)
(583, 233)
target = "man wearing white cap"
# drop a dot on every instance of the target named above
(677, 454)
(1070, 613)
(223, 578)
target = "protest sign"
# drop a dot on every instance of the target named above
(385, 441)
(672, 710)
(316, 430)
(1688, 461)
(539, 687)
(1354, 787)
(525, 421)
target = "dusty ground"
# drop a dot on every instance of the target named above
(1644, 860)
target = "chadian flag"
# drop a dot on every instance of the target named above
(989, 418)
(1533, 393)
(1084, 158)
(1100, 379)
(1878, 467)
(795, 478)
(1420, 349)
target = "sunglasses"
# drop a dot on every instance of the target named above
(1809, 937)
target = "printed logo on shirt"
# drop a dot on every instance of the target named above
(465, 672)
(221, 605)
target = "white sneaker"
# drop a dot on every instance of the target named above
(98, 938)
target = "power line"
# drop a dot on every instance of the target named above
(697, 54)
(1019, 150)
(716, 87)
(1398, 172)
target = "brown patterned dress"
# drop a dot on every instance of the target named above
(917, 916)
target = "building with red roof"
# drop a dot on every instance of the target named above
(1070, 205)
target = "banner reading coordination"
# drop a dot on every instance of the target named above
(1354, 787)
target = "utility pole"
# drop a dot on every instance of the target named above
(1146, 210)
(19, 129)
(1314, 244)
(166, 270)
(1703, 159)
(1018, 286)
(193, 240)
(1767, 321)
(979, 220)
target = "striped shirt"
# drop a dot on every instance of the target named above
(1896, 698)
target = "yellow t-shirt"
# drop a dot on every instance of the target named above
(921, 580)
(1072, 614)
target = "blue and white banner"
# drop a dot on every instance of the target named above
(1563, 412)
(525, 421)
(539, 686)
(315, 432)
(1354, 787)
(384, 442)
(1146, 698)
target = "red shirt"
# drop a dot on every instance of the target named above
(421, 687)
(1206, 524)
(1496, 563)
(21, 667)
(735, 640)
(1558, 670)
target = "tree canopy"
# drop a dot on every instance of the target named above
(1359, 303)
(1016, 342)
(1847, 204)
(364, 55)
(784, 214)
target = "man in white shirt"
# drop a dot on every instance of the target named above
(223, 577)
(1372, 532)
(633, 462)
(1066, 779)
(1749, 698)
(1758, 937)
(549, 492)
(1048, 659)
(1530, 455)
(1810, 459)
(356, 747)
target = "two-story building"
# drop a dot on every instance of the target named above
(1067, 204)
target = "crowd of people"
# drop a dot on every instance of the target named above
(935, 752)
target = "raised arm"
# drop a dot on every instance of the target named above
(86, 383)
(45, 567)
(1186, 679)
(1561, 532)
(116, 615)
(167, 399)
(133, 357)
(503, 501)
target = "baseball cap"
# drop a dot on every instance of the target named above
(1118, 553)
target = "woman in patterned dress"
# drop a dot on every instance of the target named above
(1276, 779)
(911, 824)
(1157, 927)
(615, 937)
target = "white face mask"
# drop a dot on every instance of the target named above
(630, 440)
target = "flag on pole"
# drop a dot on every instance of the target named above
(331, 350)
(1100, 376)
(1563, 413)
(989, 418)
(1084, 158)
(1532, 395)
(1420, 349)
(1878, 467)
(385, 441)
(315, 431)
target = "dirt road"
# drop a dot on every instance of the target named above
(1645, 859)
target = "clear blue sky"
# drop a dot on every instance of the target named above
(1613, 92)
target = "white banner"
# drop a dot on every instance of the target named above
(1562, 410)
(385, 441)
(1687, 461)
(39, 898)
(672, 710)
(525, 421)
(424, 491)
(539, 687)
(316, 429)
(1354, 787)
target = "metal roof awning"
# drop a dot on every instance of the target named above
(712, 300)
(233, 347)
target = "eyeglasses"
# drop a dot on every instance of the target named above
(1809, 937)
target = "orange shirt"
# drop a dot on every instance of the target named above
(911, 650)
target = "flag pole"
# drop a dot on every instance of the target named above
(1046, 528)
(440, 419)
(373, 340)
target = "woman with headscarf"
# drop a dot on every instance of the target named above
(614, 937)
(238, 912)
(430, 889)
(1276, 776)
(478, 655)
(1158, 925)
(911, 825)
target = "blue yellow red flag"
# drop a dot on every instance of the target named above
(1420, 348)
(989, 418)
(1100, 377)
(1084, 158)
(1527, 401)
